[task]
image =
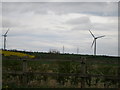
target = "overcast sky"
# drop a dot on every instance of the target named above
(42, 26)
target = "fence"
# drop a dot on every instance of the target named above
(84, 77)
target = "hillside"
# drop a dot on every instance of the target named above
(58, 56)
(12, 54)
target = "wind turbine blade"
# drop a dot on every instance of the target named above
(91, 33)
(7, 32)
(100, 36)
(93, 43)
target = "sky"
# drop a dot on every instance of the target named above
(41, 26)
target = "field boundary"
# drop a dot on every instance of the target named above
(82, 75)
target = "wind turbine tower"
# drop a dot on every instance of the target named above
(63, 49)
(5, 36)
(77, 50)
(94, 41)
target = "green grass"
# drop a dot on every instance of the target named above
(102, 65)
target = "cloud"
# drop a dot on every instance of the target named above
(80, 23)
(80, 20)
(59, 1)
(94, 8)
(9, 23)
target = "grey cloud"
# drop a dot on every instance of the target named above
(7, 23)
(10, 8)
(96, 8)
(59, 1)
(77, 21)
(81, 23)
(82, 27)
(105, 26)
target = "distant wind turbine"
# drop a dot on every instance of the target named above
(77, 50)
(5, 36)
(94, 41)
(63, 49)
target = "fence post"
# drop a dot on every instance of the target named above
(118, 76)
(83, 71)
(24, 72)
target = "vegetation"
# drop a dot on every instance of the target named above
(60, 63)
(18, 54)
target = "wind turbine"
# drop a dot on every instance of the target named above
(63, 49)
(5, 36)
(77, 50)
(94, 41)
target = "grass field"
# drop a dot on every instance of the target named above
(60, 63)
